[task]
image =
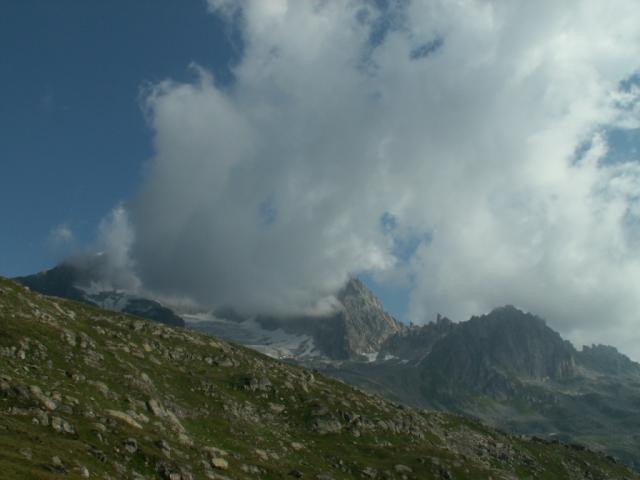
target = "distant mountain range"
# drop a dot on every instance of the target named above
(507, 368)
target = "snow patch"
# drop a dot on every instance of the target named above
(274, 343)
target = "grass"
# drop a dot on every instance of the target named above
(185, 371)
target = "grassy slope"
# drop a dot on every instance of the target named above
(264, 415)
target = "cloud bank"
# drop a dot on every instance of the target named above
(473, 130)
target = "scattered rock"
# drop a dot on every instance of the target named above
(26, 453)
(370, 472)
(262, 454)
(215, 452)
(261, 384)
(324, 476)
(251, 469)
(60, 425)
(83, 471)
(219, 463)
(68, 337)
(155, 407)
(402, 469)
(324, 426)
(276, 407)
(57, 463)
(45, 401)
(131, 445)
(123, 417)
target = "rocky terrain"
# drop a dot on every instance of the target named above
(509, 369)
(88, 393)
(355, 332)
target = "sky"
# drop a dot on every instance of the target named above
(457, 156)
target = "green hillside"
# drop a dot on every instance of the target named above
(87, 393)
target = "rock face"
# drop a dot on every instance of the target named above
(511, 370)
(356, 331)
(607, 360)
(507, 368)
(91, 393)
(367, 324)
(486, 352)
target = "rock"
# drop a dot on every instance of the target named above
(219, 463)
(296, 473)
(68, 337)
(297, 446)
(131, 445)
(60, 425)
(276, 407)
(162, 444)
(185, 440)
(324, 426)
(102, 387)
(251, 469)
(99, 454)
(42, 418)
(26, 453)
(254, 384)
(402, 469)
(123, 417)
(56, 462)
(215, 452)
(262, 454)
(100, 427)
(121, 469)
(215, 476)
(155, 407)
(324, 476)
(45, 401)
(370, 472)
(83, 471)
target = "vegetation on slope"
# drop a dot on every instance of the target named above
(88, 393)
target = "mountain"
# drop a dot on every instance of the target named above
(509, 369)
(506, 368)
(68, 281)
(356, 331)
(91, 393)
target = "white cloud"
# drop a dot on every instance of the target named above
(61, 236)
(330, 123)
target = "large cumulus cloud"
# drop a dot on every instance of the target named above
(478, 128)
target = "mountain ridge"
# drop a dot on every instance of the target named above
(507, 368)
(89, 393)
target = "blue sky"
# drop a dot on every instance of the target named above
(445, 177)
(74, 138)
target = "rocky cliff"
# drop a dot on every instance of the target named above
(511, 370)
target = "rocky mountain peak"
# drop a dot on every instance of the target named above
(356, 331)
(506, 341)
(367, 324)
